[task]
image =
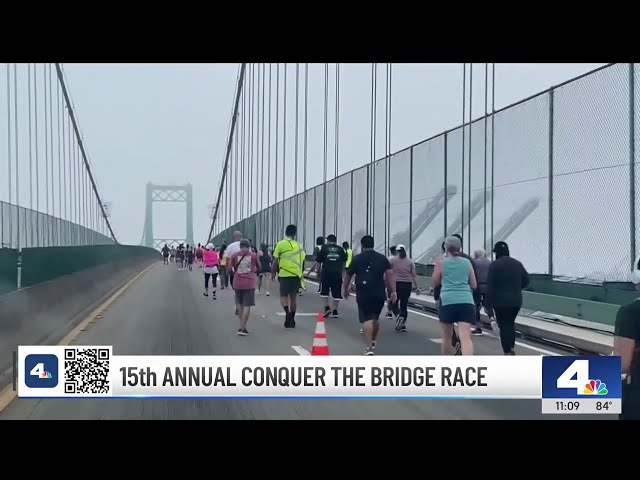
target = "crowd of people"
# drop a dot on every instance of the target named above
(461, 285)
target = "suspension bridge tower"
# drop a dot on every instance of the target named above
(163, 194)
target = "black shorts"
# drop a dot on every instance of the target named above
(331, 282)
(369, 309)
(289, 286)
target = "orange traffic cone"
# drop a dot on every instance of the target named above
(320, 345)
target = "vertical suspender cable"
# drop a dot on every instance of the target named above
(374, 148)
(59, 145)
(387, 155)
(493, 130)
(486, 106)
(9, 154)
(469, 166)
(275, 177)
(64, 164)
(325, 156)
(252, 130)
(35, 105)
(52, 168)
(369, 226)
(269, 145)
(30, 145)
(16, 152)
(242, 150)
(260, 171)
(284, 140)
(305, 140)
(295, 214)
(30, 119)
(337, 152)
(46, 152)
(464, 119)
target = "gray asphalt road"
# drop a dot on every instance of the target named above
(165, 313)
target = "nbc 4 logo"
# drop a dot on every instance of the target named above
(577, 377)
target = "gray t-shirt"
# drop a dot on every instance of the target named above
(403, 269)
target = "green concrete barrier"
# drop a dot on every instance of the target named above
(46, 263)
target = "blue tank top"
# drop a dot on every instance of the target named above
(455, 281)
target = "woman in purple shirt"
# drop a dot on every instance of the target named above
(404, 272)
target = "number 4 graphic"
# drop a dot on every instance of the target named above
(37, 370)
(579, 369)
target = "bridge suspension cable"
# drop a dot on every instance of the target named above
(229, 144)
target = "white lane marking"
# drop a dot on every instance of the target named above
(301, 351)
(282, 314)
(520, 344)
(435, 340)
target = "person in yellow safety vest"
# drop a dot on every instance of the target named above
(288, 264)
(349, 252)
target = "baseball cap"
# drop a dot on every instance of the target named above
(209, 246)
(401, 247)
(501, 247)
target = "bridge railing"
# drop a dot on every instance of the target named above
(26, 228)
(553, 175)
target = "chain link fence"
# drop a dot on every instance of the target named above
(24, 228)
(554, 176)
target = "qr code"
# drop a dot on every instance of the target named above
(86, 371)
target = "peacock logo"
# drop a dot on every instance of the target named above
(595, 387)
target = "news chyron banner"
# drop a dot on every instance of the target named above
(581, 385)
(93, 371)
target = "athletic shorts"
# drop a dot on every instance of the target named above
(289, 286)
(457, 313)
(331, 282)
(246, 298)
(369, 310)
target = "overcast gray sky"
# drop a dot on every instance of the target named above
(168, 124)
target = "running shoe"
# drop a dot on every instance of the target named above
(242, 332)
(327, 312)
(388, 314)
(476, 331)
(399, 322)
(335, 314)
(368, 351)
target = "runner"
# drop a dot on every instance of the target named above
(331, 259)
(372, 271)
(172, 254)
(210, 260)
(392, 254)
(246, 266)
(231, 251)
(505, 282)
(165, 254)
(288, 262)
(404, 271)
(475, 329)
(180, 257)
(264, 279)
(626, 345)
(189, 254)
(455, 274)
(224, 275)
(199, 255)
(317, 267)
(349, 252)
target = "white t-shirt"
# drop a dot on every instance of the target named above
(232, 249)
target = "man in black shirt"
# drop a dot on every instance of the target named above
(626, 345)
(332, 259)
(374, 278)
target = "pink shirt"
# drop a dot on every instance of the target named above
(245, 271)
(210, 258)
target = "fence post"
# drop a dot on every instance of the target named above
(446, 183)
(551, 101)
(351, 213)
(632, 164)
(411, 202)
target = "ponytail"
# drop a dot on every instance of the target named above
(402, 253)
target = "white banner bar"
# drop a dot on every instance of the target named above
(93, 371)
